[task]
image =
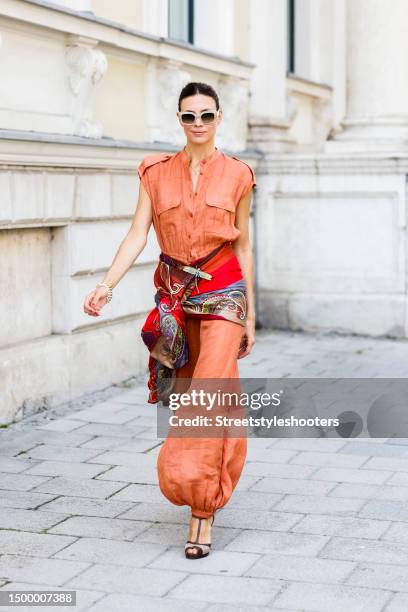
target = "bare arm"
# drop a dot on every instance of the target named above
(129, 249)
(243, 250)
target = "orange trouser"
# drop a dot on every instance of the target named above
(203, 472)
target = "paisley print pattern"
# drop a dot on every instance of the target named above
(230, 302)
(179, 294)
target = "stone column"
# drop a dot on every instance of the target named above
(267, 50)
(214, 25)
(268, 122)
(155, 17)
(377, 84)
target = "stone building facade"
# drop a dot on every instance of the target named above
(314, 94)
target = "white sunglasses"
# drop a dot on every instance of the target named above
(188, 117)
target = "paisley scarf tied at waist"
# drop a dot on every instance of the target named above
(213, 287)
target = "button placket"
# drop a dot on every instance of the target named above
(193, 201)
(190, 212)
(199, 180)
(198, 186)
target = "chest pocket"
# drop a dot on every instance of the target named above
(219, 208)
(168, 209)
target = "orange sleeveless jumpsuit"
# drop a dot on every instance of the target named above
(199, 472)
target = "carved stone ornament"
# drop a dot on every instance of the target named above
(86, 67)
(171, 78)
(233, 94)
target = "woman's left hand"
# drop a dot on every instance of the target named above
(248, 338)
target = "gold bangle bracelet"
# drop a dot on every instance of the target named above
(109, 296)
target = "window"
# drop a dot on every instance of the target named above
(303, 36)
(181, 20)
(291, 36)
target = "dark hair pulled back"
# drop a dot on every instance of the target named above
(194, 88)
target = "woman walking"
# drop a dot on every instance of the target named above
(204, 320)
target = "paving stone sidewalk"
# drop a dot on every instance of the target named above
(316, 525)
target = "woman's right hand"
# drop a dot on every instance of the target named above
(95, 300)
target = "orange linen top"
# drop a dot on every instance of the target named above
(191, 224)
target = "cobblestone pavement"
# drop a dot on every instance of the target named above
(314, 524)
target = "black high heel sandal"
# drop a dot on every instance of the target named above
(203, 550)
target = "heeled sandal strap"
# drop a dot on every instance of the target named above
(205, 548)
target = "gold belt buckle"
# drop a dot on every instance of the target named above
(197, 272)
